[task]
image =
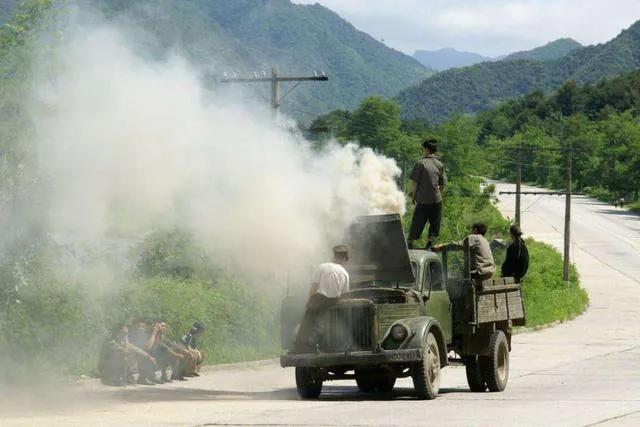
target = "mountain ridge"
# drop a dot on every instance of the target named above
(482, 86)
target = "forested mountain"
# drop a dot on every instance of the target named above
(553, 50)
(443, 59)
(482, 86)
(245, 36)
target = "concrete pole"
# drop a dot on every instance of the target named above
(519, 185)
(567, 218)
(275, 93)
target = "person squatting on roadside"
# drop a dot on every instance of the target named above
(117, 356)
(195, 357)
(516, 263)
(328, 282)
(428, 181)
(480, 258)
(146, 341)
(166, 353)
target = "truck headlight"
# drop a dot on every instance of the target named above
(398, 333)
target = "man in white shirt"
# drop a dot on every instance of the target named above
(329, 281)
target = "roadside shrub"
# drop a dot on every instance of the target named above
(547, 297)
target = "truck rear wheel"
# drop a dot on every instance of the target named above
(474, 374)
(308, 382)
(426, 377)
(495, 366)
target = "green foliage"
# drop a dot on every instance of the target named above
(483, 86)
(174, 254)
(375, 123)
(547, 297)
(599, 122)
(552, 50)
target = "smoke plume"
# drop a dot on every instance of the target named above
(127, 146)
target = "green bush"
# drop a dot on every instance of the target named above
(547, 297)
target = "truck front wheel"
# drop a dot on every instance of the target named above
(308, 382)
(495, 365)
(426, 376)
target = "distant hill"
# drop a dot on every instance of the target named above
(443, 59)
(246, 36)
(553, 50)
(482, 86)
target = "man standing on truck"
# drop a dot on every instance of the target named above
(329, 281)
(481, 265)
(428, 180)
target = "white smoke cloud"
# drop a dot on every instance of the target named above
(127, 146)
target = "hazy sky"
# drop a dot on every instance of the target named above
(488, 27)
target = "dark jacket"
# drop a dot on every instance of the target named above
(517, 262)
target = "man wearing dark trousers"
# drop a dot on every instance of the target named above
(428, 180)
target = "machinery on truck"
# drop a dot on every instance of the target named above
(405, 316)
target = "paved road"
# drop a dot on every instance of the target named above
(583, 372)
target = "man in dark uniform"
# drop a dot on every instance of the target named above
(516, 263)
(428, 180)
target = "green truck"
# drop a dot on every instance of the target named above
(405, 315)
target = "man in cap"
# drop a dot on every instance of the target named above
(428, 180)
(329, 281)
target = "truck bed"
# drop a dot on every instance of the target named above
(495, 300)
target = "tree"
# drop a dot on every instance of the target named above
(375, 123)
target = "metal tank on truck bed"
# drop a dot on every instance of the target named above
(404, 317)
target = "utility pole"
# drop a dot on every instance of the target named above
(275, 79)
(567, 216)
(518, 183)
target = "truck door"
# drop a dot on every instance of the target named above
(438, 304)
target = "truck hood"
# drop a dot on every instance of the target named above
(378, 250)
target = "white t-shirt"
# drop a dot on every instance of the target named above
(332, 279)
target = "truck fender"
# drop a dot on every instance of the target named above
(420, 327)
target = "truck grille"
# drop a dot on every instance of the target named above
(350, 327)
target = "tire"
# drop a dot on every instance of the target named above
(308, 382)
(474, 374)
(426, 376)
(495, 366)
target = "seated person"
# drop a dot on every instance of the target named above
(166, 355)
(112, 361)
(144, 340)
(193, 363)
(117, 355)
(480, 263)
